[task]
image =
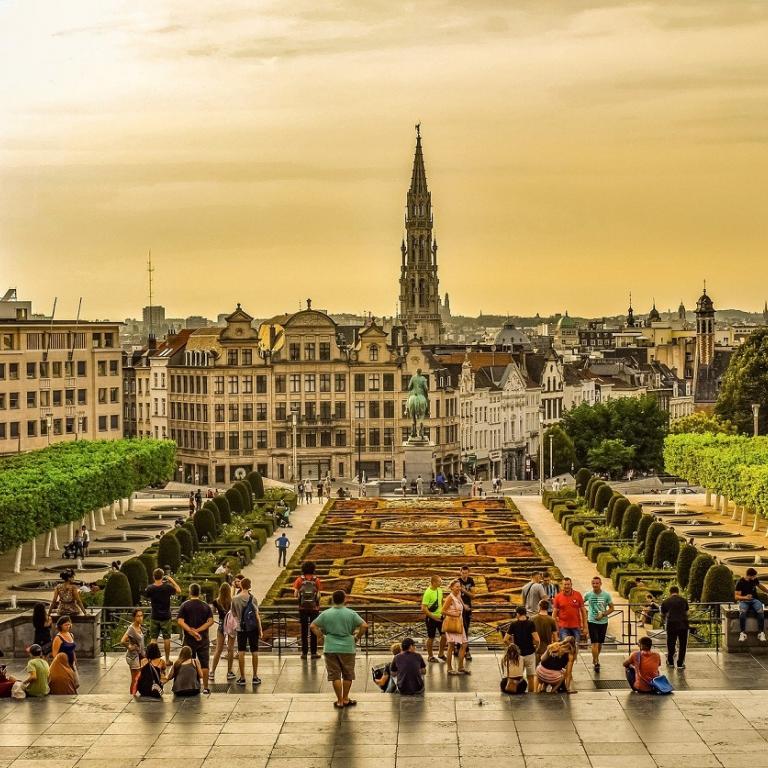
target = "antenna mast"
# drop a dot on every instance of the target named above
(150, 270)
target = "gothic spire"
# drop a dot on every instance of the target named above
(419, 175)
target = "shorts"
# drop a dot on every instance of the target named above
(160, 628)
(574, 632)
(340, 666)
(433, 627)
(246, 638)
(530, 664)
(597, 632)
(200, 652)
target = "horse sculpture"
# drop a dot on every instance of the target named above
(417, 404)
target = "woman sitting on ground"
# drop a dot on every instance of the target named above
(62, 679)
(150, 683)
(186, 674)
(554, 673)
(513, 670)
(642, 666)
(387, 681)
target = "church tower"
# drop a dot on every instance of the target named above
(705, 330)
(419, 296)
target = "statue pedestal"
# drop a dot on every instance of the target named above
(418, 460)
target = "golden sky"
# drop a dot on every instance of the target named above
(575, 151)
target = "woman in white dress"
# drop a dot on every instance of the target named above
(453, 628)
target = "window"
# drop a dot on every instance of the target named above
(295, 382)
(325, 439)
(359, 382)
(389, 409)
(279, 384)
(114, 394)
(13, 371)
(374, 438)
(56, 369)
(341, 439)
(310, 440)
(405, 433)
(248, 411)
(404, 380)
(102, 423)
(2, 401)
(247, 385)
(234, 412)
(325, 410)
(81, 368)
(373, 353)
(261, 439)
(31, 370)
(389, 382)
(218, 441)
(294, 351)
(248, 440)
(57, 398)
(31, 399)
(359, 409)
(114, 422)
(2, 431)
(280, 441)
(374, 410)
(325, 350)
(82, 397)
(31, 429)
(389, 436)
(340, 382)
(114, 367)
(2, 372)
(309, 382)
(57, 426)
(340, 409)
(232, 357)
(234, 441)
(218, 412)
(102, 396)
(7, 341)
(309, 350)
(261, 411)
(261, 385)
(218, 385)
(69, 396)
(325, 382)
(374, 382)
(246, 356)
(96, 340)
(232, 385)
(15, 429)
(280, 414)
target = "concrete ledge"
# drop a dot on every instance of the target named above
(17, 633)
(731, 644)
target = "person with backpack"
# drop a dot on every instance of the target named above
(307, 589)
(246, 613)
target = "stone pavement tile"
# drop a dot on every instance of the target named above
(426, 750)
(241, 752)
(363, 762)
(490, 751)
(679, 747)
(42, 763)
(487, 714)
(507, 726)
(302, 750)
(541, 761)
(481, 762)
(76, 728)
(66, 754)
(414, 724)
(614, 748)
(487, 738)
(309, 740)
(688, 761)
(170, 751)
(427, 737)
(527, 726)
(744, 742)
(246, 738)
(650, 730)
(164, 762)
(386, 735)
(214, 728)
(11, 753)
(299, 762)
(65, 740)
(127, 728)
(732, 721)
(16, 739)
(544, 737)
(184, 739)
(104, 750)
(115, 762)
(607, 730)
(233, 762)
(756, 759)
(9, 728)
(93, 718)
(622, 761)
(554, 749)
(418, 762)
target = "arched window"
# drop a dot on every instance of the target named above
(373, 352)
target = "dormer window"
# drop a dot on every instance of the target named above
(373, 353)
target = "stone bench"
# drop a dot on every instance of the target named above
(17, 633)
(730, 629)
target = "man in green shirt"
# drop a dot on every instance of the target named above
(432, 608)
(599, 604)
(36, 682)
(338, 628)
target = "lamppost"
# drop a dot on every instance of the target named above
(551, 459)
(359, 473)
(294, 420)
(755, 416)
(541, 450)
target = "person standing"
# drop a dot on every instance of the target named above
(570, 613)
(133, 640)
(409, 667)
(674, 613)
(64, 642)
(550, 588)
(223, 605)
(191, 503)
(599, 605)
(432, 608)
(319, 490)
(198, 499)
(249, 630)
(300, 492)
(194, 619)
(419, 486)
(522, 632)
(86, 538)
(159, 594)
(403, 485)
(533, 593)
(282, 545)
(467, 590)
(546, 629)
(746, 597)
(308, 491)
(41, 622)
(453, 628)
(306, 590)
(339, 628)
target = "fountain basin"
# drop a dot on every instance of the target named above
(86, 566)
(657, 503)
(109, 551)
(732, 546)
(713, 534)
(158, 526)
(677, 513)
(708, 523)
(127, 537)
(756, 562)
(24, 604)
(170, 508)
(160, 516)
(41, 585)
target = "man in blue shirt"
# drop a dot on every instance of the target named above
(599, 604)
(282, 545)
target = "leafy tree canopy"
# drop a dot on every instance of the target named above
(563, 452)
(610, 456)
(701, 423)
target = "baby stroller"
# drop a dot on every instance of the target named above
(282, 516)
(70, 551)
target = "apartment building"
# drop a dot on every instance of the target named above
(59, 380)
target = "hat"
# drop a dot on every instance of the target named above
(36, 650)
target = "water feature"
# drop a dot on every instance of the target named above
(160, 516)
(80, 566)
(16, 603)
(701, 522)
(143, 527)
(748, 560)
(41, 585)
(714, 534)
(126, 537)
(676, 513)
(732, 546)
(170, 508)
(109, 551)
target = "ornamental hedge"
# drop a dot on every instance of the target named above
(136, 573)
(654, 531)
(235, 500)
(642, 529)
(245, 492)
(223, 506)
(603, 497)
(718, 585)
(688, 553)
(169, 551)
(630, 520)
(117, 591)
(583, 476)
(701, 564)
(619, 508)
(257, 484)
(44, 489)
(667, 548)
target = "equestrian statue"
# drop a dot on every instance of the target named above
(417, 405)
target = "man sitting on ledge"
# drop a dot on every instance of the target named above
(746, 596)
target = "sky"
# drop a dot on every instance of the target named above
(576, 150)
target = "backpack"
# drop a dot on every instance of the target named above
(308, 595)
(230, 624)
(249, 621)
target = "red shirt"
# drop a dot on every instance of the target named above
(647, 663)
(568, 609)
(299, 581)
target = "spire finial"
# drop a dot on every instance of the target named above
(418, 130)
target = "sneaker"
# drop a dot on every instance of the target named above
(597, 667)
(303, 655)
(206, 691)
(670, 663)
(681, 666)
(256, 681)
(442, 658)
(316, 656)
(212, 677)
(241, 681)
(432, 659)
(230, 675)
(742, 637)
(761, 637)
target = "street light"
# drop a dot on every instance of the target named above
(541, 450)
(294, 410)
(551, 460)
(755, 416)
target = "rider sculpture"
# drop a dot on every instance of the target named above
(417, 404)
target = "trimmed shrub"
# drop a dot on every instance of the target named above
(222, 505)
(587, 539)
(685, 558)
(190, 526)
(137, 577)
(606, 562)
(256, 483)
(595, 548)
(578, 533)
(588, 487)
(209, 590)
(236, 506)
(619, 508)
(595, 487)
(205, 523)
(699, 567)
(611, 502)
(561, 508)
(245, 494)
(630, 521)
(150, 562)
(667, 549)
(718, 585)
(603, 498)
(583, 476)
(169, 551)
(642, 529)
(117, 591)
(185, 542)
(215, 511)
(654, 531)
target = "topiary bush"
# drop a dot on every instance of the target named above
(223, 507)
(205, 523)
(718, 585)
(232, 495)
(603, 498)
(583, 476)
(642, 529)
(685, 558)
(150, 562)
(594, 488)
(137, 577)
(654, 531)
(169, 551)
(190, 526)
(588, 487)
(185, 542)
(619, 508)
(256, 483)
(667, 548)
(630, 521)
(609, 512)
(606, 562)
(245, 494)
(117, 591)
(215, 511)
(699, 567)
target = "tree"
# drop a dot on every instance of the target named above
(563, 452)
(702, 423)
(169, 551)
(610, 456)
(718, 585)
(746, 382)
(583, 476)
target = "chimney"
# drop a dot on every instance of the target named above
(152, 342)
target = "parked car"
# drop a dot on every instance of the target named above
(679, 490)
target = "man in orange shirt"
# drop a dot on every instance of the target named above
(306, 589)
(570, 613)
